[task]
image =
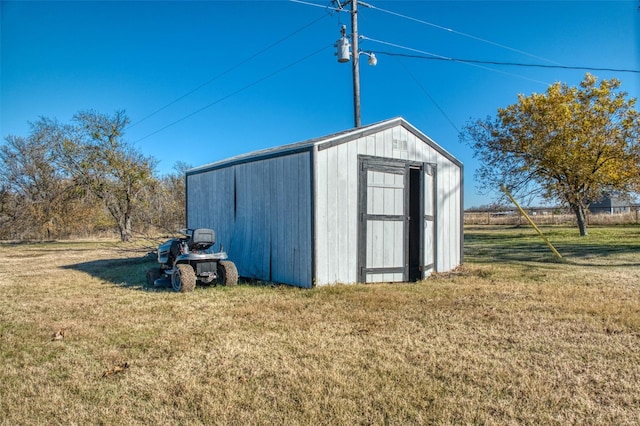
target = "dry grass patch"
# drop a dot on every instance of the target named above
(500, 341)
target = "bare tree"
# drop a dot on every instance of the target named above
(102, 162)
(166, 200)
(35, 190)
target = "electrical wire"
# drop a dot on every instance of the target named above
(440, 27)
(445, 58)
(335, 9)
(227, 71)
(450, 30)
(429, 56)
(434, 56)
(430, 97)
(217, 101)
(514, 64)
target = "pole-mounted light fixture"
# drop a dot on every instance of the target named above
(373, 61)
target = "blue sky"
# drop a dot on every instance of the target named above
(58, 58)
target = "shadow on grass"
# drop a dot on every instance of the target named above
(123, 272)
(615, 247)
(131, 273)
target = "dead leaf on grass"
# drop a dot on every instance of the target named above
(116, 369)
(58, 335)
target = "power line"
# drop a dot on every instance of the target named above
(217, 101)
(211, 80)
(444, 58)
(515, 64)
(335, 9)
(434, 56)
(440, 27)
(450, 30)
(430, 97)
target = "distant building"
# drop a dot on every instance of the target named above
(611, 204)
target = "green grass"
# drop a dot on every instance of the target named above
(513, 337)
(602, 244)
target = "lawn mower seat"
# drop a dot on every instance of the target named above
(202, 239)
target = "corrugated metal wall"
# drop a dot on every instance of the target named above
(262, 213)
(336, 207)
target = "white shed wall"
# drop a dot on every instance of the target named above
(336, 208)
(261, 211)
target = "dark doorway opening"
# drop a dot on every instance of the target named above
(415, 223)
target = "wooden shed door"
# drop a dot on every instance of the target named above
(384, 220)
(397, 214)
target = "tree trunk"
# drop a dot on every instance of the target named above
(124, 226)
(581, 216)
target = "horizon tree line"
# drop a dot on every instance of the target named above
(83, 179)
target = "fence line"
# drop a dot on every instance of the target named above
(624, 215)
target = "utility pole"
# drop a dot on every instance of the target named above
(345, 55)
(356, 63)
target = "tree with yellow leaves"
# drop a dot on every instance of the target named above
(571, 144)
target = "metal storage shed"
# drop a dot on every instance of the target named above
(381, 203)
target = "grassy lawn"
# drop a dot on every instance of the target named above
(513, 337)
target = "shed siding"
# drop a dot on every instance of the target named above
(210, 203)
(448, 227)
(261, 211)
(336, 210)
(336, 215)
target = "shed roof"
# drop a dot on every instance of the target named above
(323, 142)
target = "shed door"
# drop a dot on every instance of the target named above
(397, 217)
(384, 218)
